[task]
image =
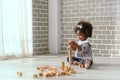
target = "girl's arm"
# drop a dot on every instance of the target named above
(75, 46)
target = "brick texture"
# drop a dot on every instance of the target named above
(40, 26)
(105, 17)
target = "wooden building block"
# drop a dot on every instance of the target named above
(41, 69)
(45, 75)
(53, 73)
(58, 74)
(72, 72)
(40, 73)
(70, 56)
(81, 65)
(68, 73)
(63, 65)
(35, 76)
(46, 67)
(38, 68)
(62, 72)
(52, 68)
(19, 73)
(68, 67)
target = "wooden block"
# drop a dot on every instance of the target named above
(57, 73)
(41, 69)
(67, 68)
(68, 73)
(53, 73)
(38, 68)
(70, 56)
(52, 68)
(72, 71)
(62, 65)
(50, 74)
(81, 65)
(62, 72)
(45, 75)
(35, 75)
(19, 73)
(41, 74)
(46, 67)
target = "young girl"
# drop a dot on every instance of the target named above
(83, 54)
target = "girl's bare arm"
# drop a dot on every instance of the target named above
(74, 45)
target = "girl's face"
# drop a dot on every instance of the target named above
(81, 36)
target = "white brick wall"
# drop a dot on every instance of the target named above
(40, 26)
(103, 14)
(105, 17)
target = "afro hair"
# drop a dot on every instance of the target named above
(84, 27)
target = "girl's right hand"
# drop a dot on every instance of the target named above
(71, 42)
(74, 45)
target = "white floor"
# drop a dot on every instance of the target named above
(102, 69)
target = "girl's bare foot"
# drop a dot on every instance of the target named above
(87, 64)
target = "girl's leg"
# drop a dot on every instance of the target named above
(76, 62)
(87, 63)
(74, 59)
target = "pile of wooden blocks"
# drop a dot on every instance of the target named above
(49, 71)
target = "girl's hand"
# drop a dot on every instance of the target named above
(71, 43)
(74, 45)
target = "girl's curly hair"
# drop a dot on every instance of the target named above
(84, 27)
